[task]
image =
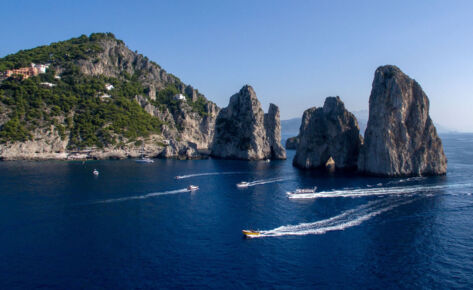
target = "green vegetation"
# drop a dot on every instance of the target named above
(74, 106)
(59, 52)
(75, 100)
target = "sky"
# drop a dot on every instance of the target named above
(293, 53)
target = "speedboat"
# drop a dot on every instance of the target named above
(95, 172)
(192, 187)
(250, 233)
(144, 160)
(178, 177)
(303, 190)
(268, 160)
(243, 184)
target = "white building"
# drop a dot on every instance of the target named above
(105, 96)
(109, 87)
(47, 84)
(40, 67)
(180, 97)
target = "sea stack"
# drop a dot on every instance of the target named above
(243, 131)
(400, 138)
(292, 143)
(330, 132)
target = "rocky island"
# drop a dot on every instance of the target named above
(400, 139)
(330, 132)
(244, 131)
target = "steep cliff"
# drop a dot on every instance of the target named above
(243, 131)
(99, 96)
(330, 131)
(400, 139)
(272, 124)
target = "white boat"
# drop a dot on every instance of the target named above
(144, 160)
(192, 187)
(268, 160)
(243, 184)
(303, 190)
(95, 172)
(178, 177)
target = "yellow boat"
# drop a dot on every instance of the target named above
(250, 233)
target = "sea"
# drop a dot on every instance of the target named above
(137, 227)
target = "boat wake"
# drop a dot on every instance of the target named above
(266, 181)
(144, 196)
(207, 174)
(362, 192)
(346, 219)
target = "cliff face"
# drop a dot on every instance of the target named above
(273, 132)
(243, 131)
(400, 139)
(330, 131)
(183, 123)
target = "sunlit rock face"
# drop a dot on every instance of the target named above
(243, 131)
(400, 138)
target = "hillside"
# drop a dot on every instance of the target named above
(98, 96)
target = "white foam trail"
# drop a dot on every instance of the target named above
(265, 181)
(153, 194)
(346, 219)
(208, 173)
(361, 192)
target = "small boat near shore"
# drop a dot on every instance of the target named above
(303, 191)
(250, 233)
(95, 172)
(192, 188)
(243, 184)
(144, 160)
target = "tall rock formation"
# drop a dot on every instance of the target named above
(272, 124)
(243, 131)
(330, 131)
(400, 139)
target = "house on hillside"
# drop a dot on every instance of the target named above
(179, 97)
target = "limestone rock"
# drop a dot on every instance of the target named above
(292, 143)
(400, 139)
(273, 132)
(330, 131)
(181, 150)
(243, 131)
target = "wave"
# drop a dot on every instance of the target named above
(208, 173)
(346, 219)
(362, 192)
(265, 181)
(145, 196)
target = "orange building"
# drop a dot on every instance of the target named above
(26, 72)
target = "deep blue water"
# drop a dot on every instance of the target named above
(134, 226)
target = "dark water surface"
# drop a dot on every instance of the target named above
(135, 226)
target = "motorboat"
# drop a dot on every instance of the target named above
(250, 233)
(243, 184)
(95, 172)
(303, 190)
(192, 187)
(268, 160)
(144, 160)
(178, 177)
